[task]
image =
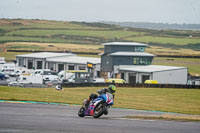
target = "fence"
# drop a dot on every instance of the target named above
(107, 84)
(131, 85)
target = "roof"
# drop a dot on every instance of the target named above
(44, 55)
(148, 68)
(76, 60)
(125, 43)
(132, 54)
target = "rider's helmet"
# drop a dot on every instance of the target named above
(93, 96)
(112, 88)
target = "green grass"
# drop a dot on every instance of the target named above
(39, 39)
(42, 31)
(25, 47)
(165, 40)
(168, 117)
(91, 33)
(31, 24)
(158, 99)
(9, 56)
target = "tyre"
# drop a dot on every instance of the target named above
(99, 110)
(81, 112)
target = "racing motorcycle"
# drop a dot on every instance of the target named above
(98, 106)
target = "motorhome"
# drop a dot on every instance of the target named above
(69, 74)
(27, 80)
(46, 74)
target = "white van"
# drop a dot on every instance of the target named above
(50, 78)
(40, 71)
(22, 71)
(65, 75)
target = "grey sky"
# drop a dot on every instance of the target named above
(165, 11)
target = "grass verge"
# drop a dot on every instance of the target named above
(167, 117)
(185, 101)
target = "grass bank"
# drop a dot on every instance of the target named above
(159, 99)
(167, 117)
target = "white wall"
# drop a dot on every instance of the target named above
(171, 77)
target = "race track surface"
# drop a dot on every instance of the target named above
(34, 118)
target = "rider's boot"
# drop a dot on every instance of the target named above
(106, 112)
(86, 103)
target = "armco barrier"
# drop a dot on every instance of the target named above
(131, 85)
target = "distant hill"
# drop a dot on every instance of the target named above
(27, 34)
(156, 26)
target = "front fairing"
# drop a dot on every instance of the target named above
(107, 98)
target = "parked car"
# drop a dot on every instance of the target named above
(15, 83)
(2, 76)
(151, 82)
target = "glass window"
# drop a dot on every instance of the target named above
(71, 67)
(81, 67)
(142, 61)
(139, 49)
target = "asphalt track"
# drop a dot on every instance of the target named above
(34, 118)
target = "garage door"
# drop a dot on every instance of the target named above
(132, 78)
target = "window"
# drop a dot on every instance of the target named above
(81, 67)
(71, 67)
(142, 61)
(83, 75)
(139, 49)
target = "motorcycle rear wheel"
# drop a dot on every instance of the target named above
(99, 110)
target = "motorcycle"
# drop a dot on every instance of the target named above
(98, 106)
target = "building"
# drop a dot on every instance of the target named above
(74, 63)
(38, 60)
(129, 61)
(163, 74)
(124, 53)
(57, 61)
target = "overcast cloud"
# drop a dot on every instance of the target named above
(164, 11)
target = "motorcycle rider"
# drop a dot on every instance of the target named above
(111, 89)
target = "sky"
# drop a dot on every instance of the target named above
(157, 11)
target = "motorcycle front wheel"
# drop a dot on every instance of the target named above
(99, 110)
(81, 112)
